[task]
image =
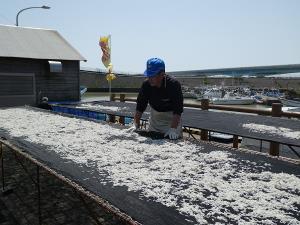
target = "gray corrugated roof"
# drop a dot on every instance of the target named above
(35, 43)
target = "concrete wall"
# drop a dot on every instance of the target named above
(279, 83)
(97, 80)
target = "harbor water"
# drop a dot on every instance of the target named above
(100, 96)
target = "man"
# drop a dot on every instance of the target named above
(164, 95)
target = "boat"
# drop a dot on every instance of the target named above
(212, 93)
(83, 89)
(271, 93)
(233, 100)
(290, 102)
(190, 94)
(290, 109)
(258, 99)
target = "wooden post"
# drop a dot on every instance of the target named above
(122, 118)
(111, 118)
(235, 141)
(276, 109)
(112, 97)
(204, 106)
(39, 194)
(2, 167)
(5, 189)
(204, 135)
(122, 97)
(274, 148)
(276, 112)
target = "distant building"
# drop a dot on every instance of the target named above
(35, 63)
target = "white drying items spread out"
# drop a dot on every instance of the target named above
(280, 131)
(178, 174)
(101, 107)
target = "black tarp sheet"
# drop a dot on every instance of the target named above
(144, 210)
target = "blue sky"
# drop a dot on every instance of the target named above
(188, 35)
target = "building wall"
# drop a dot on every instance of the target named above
(62, 86)
(59, 86)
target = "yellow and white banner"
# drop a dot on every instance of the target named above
(104, 43)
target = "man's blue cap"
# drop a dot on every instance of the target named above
(154, 66)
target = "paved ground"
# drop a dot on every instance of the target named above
(60, 204)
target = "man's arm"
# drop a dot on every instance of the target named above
(141, 105)
(175, 121)
(137, 119)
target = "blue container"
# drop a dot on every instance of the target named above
(128, 120)
(80, 112)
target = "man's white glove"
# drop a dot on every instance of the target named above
(172, 133)
(134, 127)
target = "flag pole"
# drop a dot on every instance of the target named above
(109, 70)
(109, 87)
(110, 47)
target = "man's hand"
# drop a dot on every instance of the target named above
(134, 127)
(172, 133)
(136, 121)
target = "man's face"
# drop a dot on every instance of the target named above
(155, 81)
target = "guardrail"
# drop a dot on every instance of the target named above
(276, 111)
(204, 105)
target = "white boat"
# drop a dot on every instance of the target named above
(290, 102)
(212, 93)
(258, 99)
(293, 109)
(233, 101)
(83, 89)
(230, 99)
(189, 94)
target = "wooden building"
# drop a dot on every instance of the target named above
(35, 63)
